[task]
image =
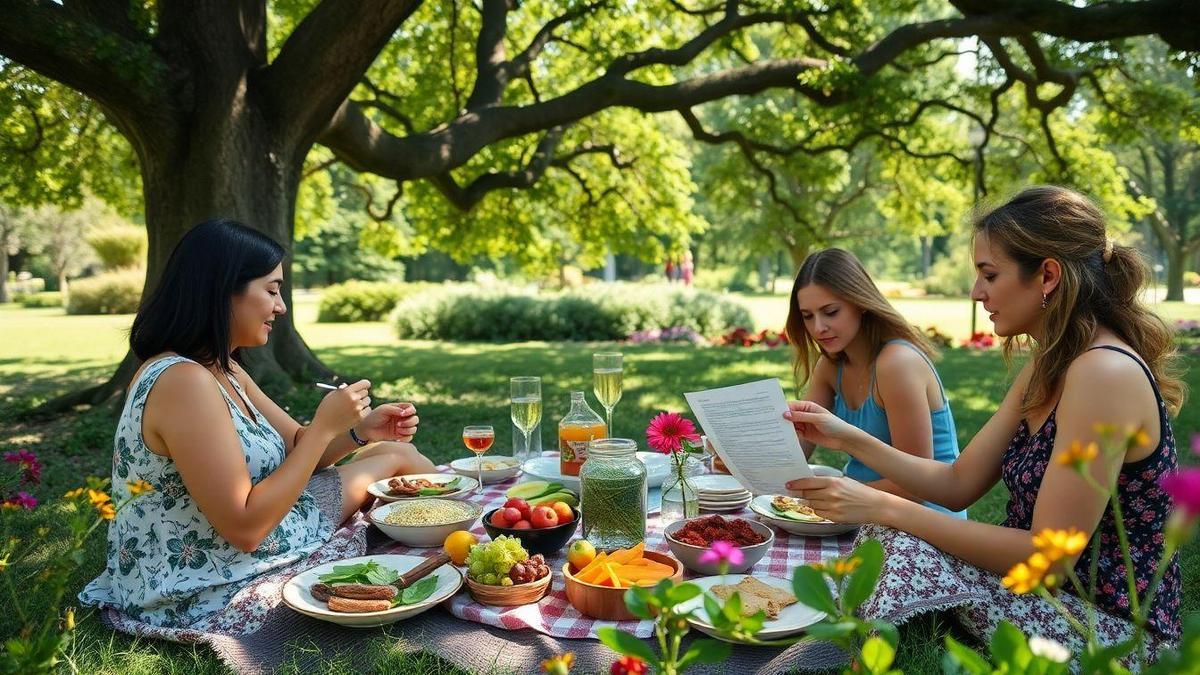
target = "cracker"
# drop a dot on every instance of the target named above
(751, 604)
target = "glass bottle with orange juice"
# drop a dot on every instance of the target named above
(575, 431)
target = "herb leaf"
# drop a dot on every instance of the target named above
(369, 572)
(419, 591)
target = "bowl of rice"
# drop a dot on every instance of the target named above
(424, 522)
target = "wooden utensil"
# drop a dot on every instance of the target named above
(421, 571)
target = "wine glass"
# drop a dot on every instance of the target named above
(606, 382)
(526, 405)
(478, 439)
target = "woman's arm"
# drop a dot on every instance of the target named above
(902, 378)
(186, 411)
(291, 430)
(955, 486)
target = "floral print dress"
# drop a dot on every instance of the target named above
(167, 565)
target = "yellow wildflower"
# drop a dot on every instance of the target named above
(843, 567)
(1105, 429)
(559, 665)
(3, 563)
(98, 498)
(107, 510)
(69, 619)
(1137, 438)
(9, 506)
(1059, 544)
(74, 493)
(1078, 453)
(1026, 576)
(137, 487)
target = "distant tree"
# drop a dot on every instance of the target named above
(15, 233)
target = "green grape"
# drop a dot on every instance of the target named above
(506, 582)
(489, 579)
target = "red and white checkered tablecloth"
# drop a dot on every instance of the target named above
(555, 616)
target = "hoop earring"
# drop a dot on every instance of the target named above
(1043, 301)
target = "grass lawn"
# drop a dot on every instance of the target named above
(43, 353)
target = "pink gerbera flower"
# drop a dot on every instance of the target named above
(722, 552)
(31, 469)
(667, 431)
(21, 500)
(1184, 488)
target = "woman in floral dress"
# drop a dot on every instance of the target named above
(240, 488)
(1050, 278)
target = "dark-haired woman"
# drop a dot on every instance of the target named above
(240, 488)
(1049, 277)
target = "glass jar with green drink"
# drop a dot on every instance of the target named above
(613, 494)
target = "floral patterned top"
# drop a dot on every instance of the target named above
(1144, 505)
(167, 565)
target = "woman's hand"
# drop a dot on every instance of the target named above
(344, 408)
(840, 499)
(389, 422)
(817, 425)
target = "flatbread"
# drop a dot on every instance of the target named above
(756, 596)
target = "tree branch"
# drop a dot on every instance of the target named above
(490, 55)
(325, 57)
(127, 77)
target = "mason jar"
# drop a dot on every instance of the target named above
(613, 494)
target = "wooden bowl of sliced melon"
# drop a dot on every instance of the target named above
(598, 590)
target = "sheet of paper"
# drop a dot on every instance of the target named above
(746, 426)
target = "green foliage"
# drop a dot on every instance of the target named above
(597, 312)
(34, 300)
(108, 293)
(360, 301)
(951, 275)
(119, 246)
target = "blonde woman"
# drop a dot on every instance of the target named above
(1050, 279)
(861, 359)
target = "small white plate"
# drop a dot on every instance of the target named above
(761, 506)
(297, 596)
(717, 483)
(722, 508)
(466, 485)
(724, 498)
(465, 466)
(791, 620)
(547, 468)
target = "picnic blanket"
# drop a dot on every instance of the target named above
(258, 634)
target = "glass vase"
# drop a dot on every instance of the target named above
(680, 500)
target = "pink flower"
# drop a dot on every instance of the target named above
(722, 552)
(28, 463)
(21, 500)
(1184, 488)
(667, 431)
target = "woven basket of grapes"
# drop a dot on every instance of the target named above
(501, 572)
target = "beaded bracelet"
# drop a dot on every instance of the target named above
(357, 441)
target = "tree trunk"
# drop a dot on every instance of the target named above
(237, 172)
(3, 274)
(62, 285)
(1176, 266)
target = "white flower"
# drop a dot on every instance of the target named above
(1049, 649)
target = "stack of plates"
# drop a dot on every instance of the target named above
(721, 492)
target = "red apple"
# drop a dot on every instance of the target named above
(498, 518)
(521, 525)
(520, 505)
(564, 512)
(544, 516)
(512, 515)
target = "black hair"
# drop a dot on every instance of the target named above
(190, 310)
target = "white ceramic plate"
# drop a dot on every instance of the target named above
(717, 483)
(824, 528)
(296, 595)
(721, 508)
(792, 619)
(547, 468)
(743, 497)
(466, 485)
(465, 466)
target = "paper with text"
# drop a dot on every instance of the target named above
(749, 433)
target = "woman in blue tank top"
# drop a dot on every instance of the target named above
(862, 360)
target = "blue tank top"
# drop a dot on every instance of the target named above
(872, 419)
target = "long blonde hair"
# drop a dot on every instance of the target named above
(840, 272)
(1100, 286)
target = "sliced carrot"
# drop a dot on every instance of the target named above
(611, 571)
(623, 556)
(596, 562)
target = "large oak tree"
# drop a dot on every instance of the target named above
(222, 101)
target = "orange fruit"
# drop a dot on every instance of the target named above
(458, 544)
(581, 554)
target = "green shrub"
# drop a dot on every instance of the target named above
(359, 301)
(597, 312)
(108, 293)
(951, 275)
(119, 246)
(36, 300)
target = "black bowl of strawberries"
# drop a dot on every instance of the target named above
(542, 529)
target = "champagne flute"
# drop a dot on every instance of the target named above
(606, 382)
(478, 439)
(526, 405)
